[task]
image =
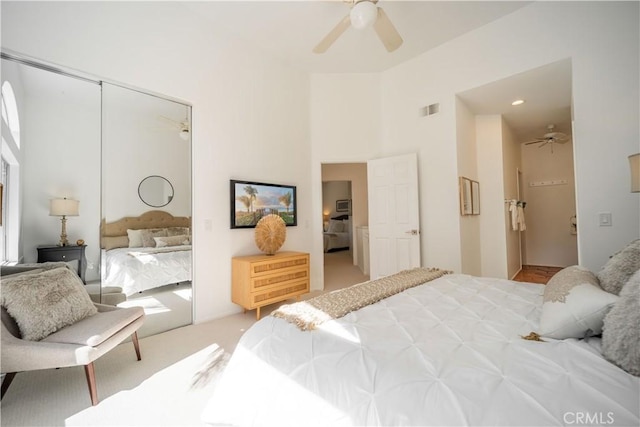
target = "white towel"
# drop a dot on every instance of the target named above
(521, 223)
(513, 208)
(517, 216)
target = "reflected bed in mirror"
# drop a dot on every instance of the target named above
(146, 252)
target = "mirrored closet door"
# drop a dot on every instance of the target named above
(146, 206)
(124, 157)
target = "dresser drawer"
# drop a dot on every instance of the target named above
(260, 280)
(279, 278)
(58, 255)
(269, 266)
(289, 290)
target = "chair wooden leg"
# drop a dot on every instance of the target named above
(91, 381)
(6, 382)
(136, 345)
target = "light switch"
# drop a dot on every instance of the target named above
(604, 219)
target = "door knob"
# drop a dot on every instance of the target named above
(413, 232)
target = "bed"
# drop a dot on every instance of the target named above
(449, 351)
(145, 252)
(338, 235)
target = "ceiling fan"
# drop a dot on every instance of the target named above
(363, 14)
(181, 126)
(550, 137)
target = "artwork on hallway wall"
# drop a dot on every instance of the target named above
(250, 201)
(469, 196)
(475, 198)
(465, 196)
(343, 205)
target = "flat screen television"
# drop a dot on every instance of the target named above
(250, 201)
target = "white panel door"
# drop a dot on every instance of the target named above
(394, 219)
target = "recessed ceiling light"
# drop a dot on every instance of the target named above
(518, 102)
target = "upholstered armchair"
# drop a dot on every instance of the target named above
(79, 343)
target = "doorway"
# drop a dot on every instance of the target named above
(546, 182)
(344, 203)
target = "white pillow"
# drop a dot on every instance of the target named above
(335, 226)
(162, 242)
(135, 238)
(574, 304)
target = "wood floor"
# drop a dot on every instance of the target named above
(536, 273)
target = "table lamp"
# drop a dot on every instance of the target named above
(63, 208)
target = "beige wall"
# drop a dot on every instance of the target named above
(490, 175)
(549, 208)
(470, 253)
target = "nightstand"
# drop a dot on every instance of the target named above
(66, 254)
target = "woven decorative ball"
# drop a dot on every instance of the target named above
(271, 232)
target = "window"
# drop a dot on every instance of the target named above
(10, 111)
(10, 176)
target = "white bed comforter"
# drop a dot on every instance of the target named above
(140, 269)
(445, 353)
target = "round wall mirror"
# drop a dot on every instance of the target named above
(155, 191)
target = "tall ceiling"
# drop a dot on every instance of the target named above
(290, 29)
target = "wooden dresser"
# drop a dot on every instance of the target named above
(260, 280)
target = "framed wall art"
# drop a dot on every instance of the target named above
(475, 198)
(343, 205)
(250, 201)
(465, 196)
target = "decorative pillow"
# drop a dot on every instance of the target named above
(162, 242)
(621, 331)
(574, 304)
(135, 238)
(620, 267)
(335, 226)
(178, 231)
(149, 234)
(115, 242)
(43, 303)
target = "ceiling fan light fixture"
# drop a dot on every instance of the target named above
(363, 14)
(518, 102)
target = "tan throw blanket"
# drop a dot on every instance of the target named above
(308, 315)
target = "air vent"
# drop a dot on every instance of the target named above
(430, 110)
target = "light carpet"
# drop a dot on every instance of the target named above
(167, 307)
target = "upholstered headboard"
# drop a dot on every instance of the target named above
(114, 234)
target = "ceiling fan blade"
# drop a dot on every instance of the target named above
(535, 141)
(545, 143)
(333, 35)
(387, 32)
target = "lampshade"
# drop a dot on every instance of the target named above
(63, 207)
(634, 165)
(363, 14)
